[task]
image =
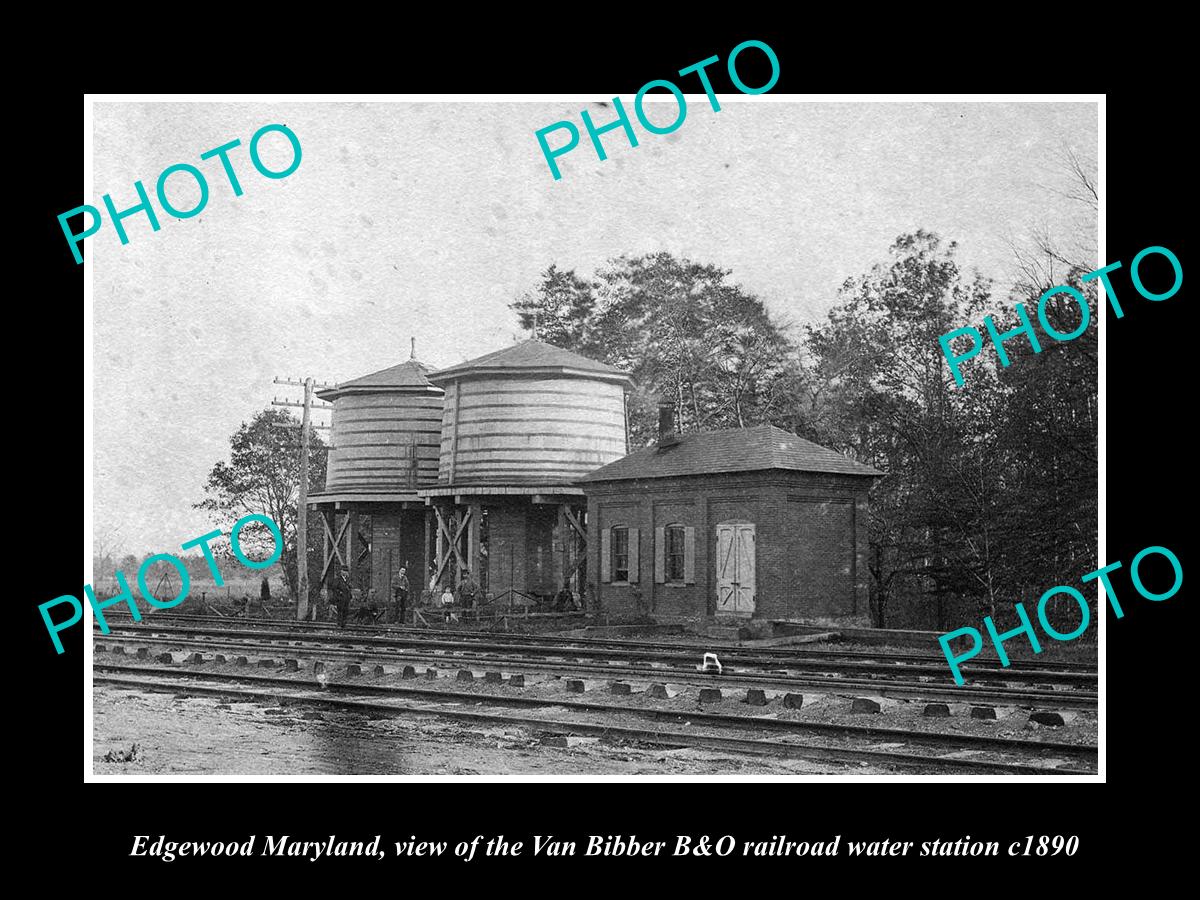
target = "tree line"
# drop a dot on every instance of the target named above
(991, 489)
(990, 494)
(262, 475)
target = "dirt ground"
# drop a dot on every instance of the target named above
(209, 736)
(1082, 652)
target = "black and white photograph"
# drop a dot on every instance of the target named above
(515, 438)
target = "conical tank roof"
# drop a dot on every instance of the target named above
(385, 434)
(410, 375)
(531, 358)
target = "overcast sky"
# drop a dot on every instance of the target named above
(426, 220)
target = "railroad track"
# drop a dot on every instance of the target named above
(767, 737)
(740, 661)
(351, 650)
(773, 654)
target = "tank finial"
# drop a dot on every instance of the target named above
(414, 348)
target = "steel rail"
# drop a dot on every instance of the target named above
(657, 737)
(721, 720)
(895, 689)
(1005, 675)
(781, 653)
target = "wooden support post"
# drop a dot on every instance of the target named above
(457, 544)
(476, 515)
(327, 544)
(574, 520)
(351, 546)
(566, 539)
(440, 553)
(578, 543)
(428, 573)
(328, 522)
(387, 600)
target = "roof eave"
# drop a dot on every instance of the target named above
(462, 372)
(334, 392)
(597, 478)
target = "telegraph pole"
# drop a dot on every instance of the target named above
(302, 505)
(302, 512)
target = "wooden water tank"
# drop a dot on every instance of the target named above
(529, 414)
(386, 431)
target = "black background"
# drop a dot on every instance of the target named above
(1150, 402)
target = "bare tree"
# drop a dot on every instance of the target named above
(1043, 259)
(105, 541)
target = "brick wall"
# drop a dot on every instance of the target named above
(819, 564)
(811, 541)
(675, 508)
(618, 598)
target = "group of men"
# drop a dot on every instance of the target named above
(341, 595)
(468, 597)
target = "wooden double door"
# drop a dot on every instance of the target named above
(735, 568)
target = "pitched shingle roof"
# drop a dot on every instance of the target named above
(731, 450)
(408, 375)
(533, 356)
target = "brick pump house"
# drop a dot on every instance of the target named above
(744, 522)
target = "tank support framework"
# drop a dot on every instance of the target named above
(460, 544)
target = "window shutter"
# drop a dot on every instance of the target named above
(633, 554)
(606, 555)
(689, 555)
(660, 540)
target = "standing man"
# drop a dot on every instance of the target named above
(468, 591)
(341, 595)
(400, 594)
(564, 600)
